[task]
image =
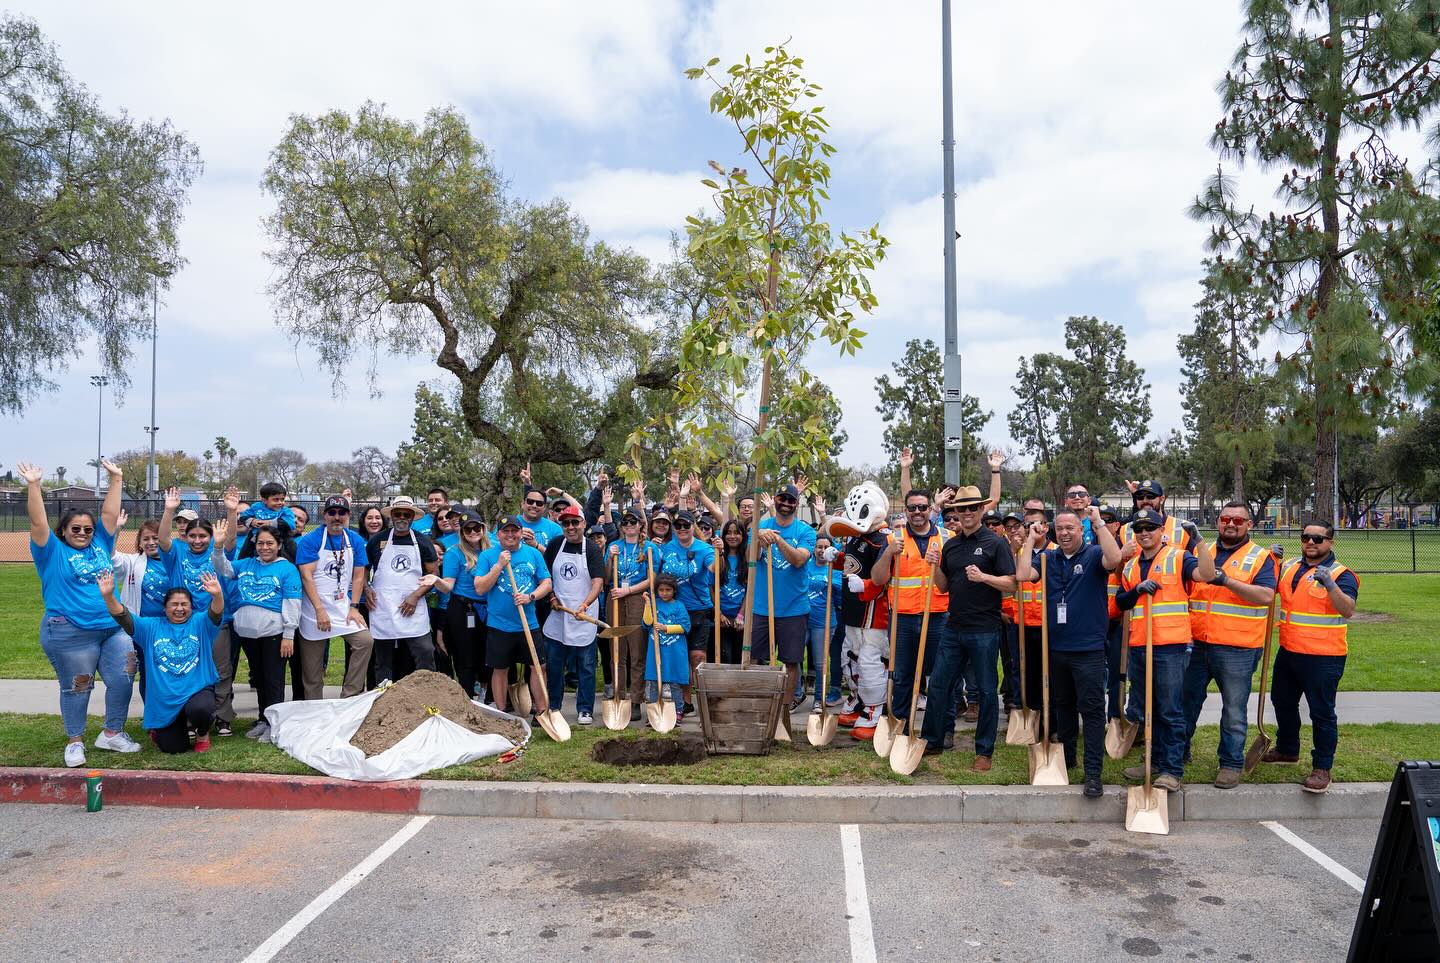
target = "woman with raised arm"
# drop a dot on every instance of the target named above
(186, 563)
(77, 633)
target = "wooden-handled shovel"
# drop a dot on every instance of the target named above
(820, 727)
(604, 629)
(1047, 760)
(1147, 809)
(715, 594)
(615, 711)
(782, 724)
(1261, 745)
(661, 712)
(550, 720)
(909, 748)
(1120, 732)
(887, 725)
(1023, 728)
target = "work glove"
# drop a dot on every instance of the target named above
(1148, 587)
(1277, 550)
(1191, 529)
(1323, 576)
(855, 583)
(1220, 577)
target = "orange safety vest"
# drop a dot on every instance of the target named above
(1309, 624)
(1169, 606)
(1174, 534)
(1033, 595)
(908, 574)
(1112, 589)
(1218, 615)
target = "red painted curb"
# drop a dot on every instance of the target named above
(210, 790)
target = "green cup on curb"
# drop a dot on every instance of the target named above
(94, 792)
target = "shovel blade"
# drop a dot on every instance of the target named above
(1047, 765)
(661, 715)
(554, 725)
(782, 734)
(615, 713)
(1257, 751)
(616, 632)
(1119, 737)
(520, 698)
(1147, 815)
(820, 728)
(905, 754)
(1024, 728)
(884, 736)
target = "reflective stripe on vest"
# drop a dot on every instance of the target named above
(908, 573)
(1169, 606)
(1218, 615)
(1033, 595)
(1309, 623)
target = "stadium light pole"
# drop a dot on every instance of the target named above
(954, 426)
(99, 381)
(152, 476)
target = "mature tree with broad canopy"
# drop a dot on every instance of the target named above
(1344, 263)
(397, 237)
(90, 204)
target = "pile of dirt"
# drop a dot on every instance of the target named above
(687, 750)
(408, 702)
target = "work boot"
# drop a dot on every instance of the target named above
(1317, 782)
(949, 740)
(972, 713)
(933, 750)
(634, 712)
(981, 764)
(1135, 773)
(1228, 779)
(1093, 789)
(1275, 755)
(1167, 782)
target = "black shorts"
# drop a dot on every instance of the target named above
(701, 637)
(792, 632)
(504, 649)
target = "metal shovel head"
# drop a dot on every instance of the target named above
(1257, 751)
(1120, 737)
(661, 715)
(520, 697)
(782, 734)
(1150, 815)
(820, 728)
(1047, 765)
(615, 713)
(1024, 727)
(884, 736)
(615, 632)
(906, 753)
(554, 725)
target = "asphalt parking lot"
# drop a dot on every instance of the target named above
(165, 884)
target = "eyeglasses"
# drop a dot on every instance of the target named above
(336, 512)
(531, 501)
(912, 509)
(1234, 519)
(82, 529)
(1312, 539)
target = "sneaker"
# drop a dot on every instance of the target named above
(584, 719)
(1167, 782)
(120, 742)
(203, 743)
(258, 730)
(74, 754)
(833, 697)
(921, 703)
(1318, 781)
(224, 729)
(949, 740)
(687, 708)
(863, 733)
(1227, 779)
(796, 703)
(1093, 789)
(848, 718)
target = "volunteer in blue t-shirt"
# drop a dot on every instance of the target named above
(188, 561)
(77, 632)
(818, 575)
(786, 546)
(465, 612)
(508, 601)
(630, 552)
(180, 695)
(692, 562)
(536, 528)
(1076, 590)
(732, 545)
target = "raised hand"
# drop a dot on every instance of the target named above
(105, 582)
(638, 490)
(694, 482)
(907, 458)
(727, 488)
(525, 474)
(232, 499)
(222, 528)
(1133, 486)
(211, 585)
(945, 495)
(802, 481)
(32, 474)
(819, 502)
(111, 469)
(122, 519)
(768, 500)
(601, 479)
(997, 459)
(172, 498)
(605, 494)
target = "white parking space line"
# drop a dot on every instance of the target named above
(281, 938)
(1336, 870)
(857, 898)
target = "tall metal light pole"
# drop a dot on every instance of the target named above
(152, 475)
(99, 381)
(954, 427)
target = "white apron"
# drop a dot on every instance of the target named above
(570, 583)
(332, 582)
(397, 575)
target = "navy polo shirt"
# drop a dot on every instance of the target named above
(1081, 581)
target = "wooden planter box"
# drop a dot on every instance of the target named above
(740, 707)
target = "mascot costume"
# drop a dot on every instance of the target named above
(864, 607)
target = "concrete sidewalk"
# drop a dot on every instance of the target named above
(1365, 708)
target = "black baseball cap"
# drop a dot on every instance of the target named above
(337, 501)
(1151, 487)
(1013, 517)
(684, 516)
(1108, 511)
(788, 490)
(508, 521)
(990, 516)
(468, 518)
(630, 513)
(707, 520)
(596, 529)
(1147, 518)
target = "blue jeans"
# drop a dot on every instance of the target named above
(817, 645)
(1010, 659)
(1114, 662)
(1232, 668)
(1169, 703)
(559, 659)
(907, 647)
(1317, 678)
(980, 650)
(76, 653)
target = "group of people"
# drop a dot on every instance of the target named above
(409, 586)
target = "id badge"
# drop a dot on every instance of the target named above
(1060, 613)
(470, 619)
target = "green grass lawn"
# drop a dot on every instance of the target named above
(1368, 550)
(1367, 754)
(1397, 654)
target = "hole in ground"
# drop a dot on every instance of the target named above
(686, 750)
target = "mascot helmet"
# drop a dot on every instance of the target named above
(866, 508)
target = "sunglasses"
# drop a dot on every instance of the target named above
(1145, 494)
(785, 500)
(630, 521)
(82, 529)
(336, 512)
(912, 509)
(993, 525)
(1234, 519)
(1078, 493)
(1148, 528)
(682, 526)
(570, 523)
(967, 509)
(531, 501)
(1312, 539)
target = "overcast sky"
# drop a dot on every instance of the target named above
(1081, 141)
